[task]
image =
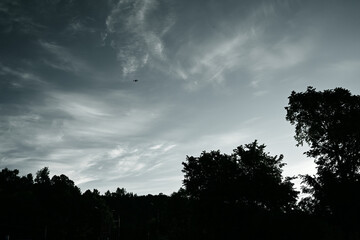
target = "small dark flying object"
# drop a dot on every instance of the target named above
(135, 80)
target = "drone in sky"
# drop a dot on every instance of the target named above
(135, 80)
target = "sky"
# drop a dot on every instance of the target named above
(211, 75)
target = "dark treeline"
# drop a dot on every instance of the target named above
(56, 209)
(242, 195)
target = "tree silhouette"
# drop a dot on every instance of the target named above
(58, 210)
(329, 122)
(42, 176)
(262, 177)
(248, 176)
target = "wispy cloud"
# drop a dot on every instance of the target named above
(213, 61)
(282, 55)
(266, 62)
(21, 76)
(202, 60)
(103, 117)
(80, 128)
(64, 59)
(136, 41)
(79, 25)
(126, 161)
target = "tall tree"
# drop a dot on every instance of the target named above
(329, 122)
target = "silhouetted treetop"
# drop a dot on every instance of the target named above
(42, 176)
(249, 176)
(329, 122)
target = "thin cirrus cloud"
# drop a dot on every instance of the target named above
(212, 60)
(125, 162)
(130, 34)
(21, 77)
(62, 59)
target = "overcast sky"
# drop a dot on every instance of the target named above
(211, 75)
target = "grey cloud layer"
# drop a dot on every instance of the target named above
(212, 74)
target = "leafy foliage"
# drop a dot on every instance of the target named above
(248, 176)
(42, 176)
(329, 122)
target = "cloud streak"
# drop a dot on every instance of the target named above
(136, 41)
(64, 60)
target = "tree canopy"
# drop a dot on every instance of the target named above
(329, 122)
(249, 176)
